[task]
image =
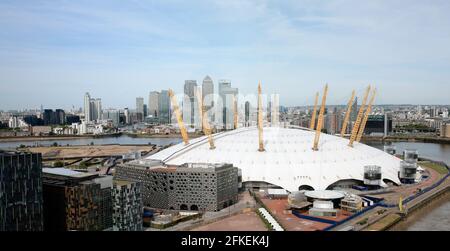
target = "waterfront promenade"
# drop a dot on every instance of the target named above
(387, 213)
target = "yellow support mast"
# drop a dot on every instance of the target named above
(320, 120)
(183, 131)
(347, 114)
(313, 118)
(260, 120)
(366, 116)
(204, 120)
(359, 118)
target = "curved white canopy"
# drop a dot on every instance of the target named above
(325, 195)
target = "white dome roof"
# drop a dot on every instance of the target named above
(288, 160)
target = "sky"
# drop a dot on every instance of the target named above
(52, 52)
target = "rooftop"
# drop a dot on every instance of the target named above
(122, 182)
(66, 173)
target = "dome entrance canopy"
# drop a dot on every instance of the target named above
(325, 195)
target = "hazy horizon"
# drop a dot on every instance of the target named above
(52, 52)
(131, 107)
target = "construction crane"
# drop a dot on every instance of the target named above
(313, 118)
(235, 112)
(320, 120)
(204, 120)
(359, 118)
(174, 101)
(366, 116)
(260, 120)
(347, 114)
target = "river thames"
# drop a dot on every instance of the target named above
(437, 218)
(121, 140)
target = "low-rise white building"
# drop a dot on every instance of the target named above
(445, 130)
(16, 122)
(64, 131)
(88, 128)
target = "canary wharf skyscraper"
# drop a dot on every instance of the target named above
(190, 89)
(140, 106)
(227, 93)
(164, 107)
(208, 95)
(153, 104)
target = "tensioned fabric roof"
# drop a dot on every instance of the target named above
(288, 160)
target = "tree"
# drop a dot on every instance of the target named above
(58, 164)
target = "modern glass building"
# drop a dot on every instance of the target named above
(164, 107)
(21, 202)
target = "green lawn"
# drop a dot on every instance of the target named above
(438, 168)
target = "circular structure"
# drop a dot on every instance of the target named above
(324, 195)
(288, 160)
(296, 198)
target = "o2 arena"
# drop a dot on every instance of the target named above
(288, 160)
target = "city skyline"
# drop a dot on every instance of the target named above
(79, 108)
(51, 49)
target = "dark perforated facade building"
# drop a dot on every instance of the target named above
(196, 187)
